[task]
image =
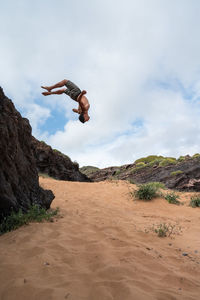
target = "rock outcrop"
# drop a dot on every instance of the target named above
(182, 175)
(88, 170)
(55, 164)
(19, 184)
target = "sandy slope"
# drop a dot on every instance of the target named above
(103, 248)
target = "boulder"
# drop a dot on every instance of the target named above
(19, 184)
(56, 164)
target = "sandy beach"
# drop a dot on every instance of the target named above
(103, 246)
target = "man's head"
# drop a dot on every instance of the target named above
(81, 118)
(84, 117)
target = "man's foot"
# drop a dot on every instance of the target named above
(46, 88)
(46, 93)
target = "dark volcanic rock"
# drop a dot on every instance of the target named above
(56, 164)
(188, 180)
(19, 185)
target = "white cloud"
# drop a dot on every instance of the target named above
(139, 60)
(37, 116)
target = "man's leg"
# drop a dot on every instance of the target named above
(57, 85)
(57, 92)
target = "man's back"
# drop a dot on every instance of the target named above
(84, 103)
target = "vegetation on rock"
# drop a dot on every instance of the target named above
(153, 160)
(88, 170)
(176, 173)
(196, 155)
(167, 161)
(148, 159)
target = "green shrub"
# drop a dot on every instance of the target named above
(181, 158)
(147, 191)
(135, 169)
(140, 164)
(148, 159)
(17, 219)
(88, 170)
(196, 155)
(176, 173)
(117, 172)
(152, 160)
(131, 181)
(169, 157)
(195, 201)
(172, 198)
(164, 230)
(155, 162)
(158, 185)
(167, 161)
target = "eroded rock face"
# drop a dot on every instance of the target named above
(188, 179)
(19, 185)
(55, 163)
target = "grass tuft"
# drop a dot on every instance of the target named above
(176, 173)
(18, 219)
(172, 198)
(195, 201)
(162, 230)
(165, 230)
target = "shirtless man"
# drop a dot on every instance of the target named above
(73, 92)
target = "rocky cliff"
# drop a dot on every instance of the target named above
(55, 164)
(180, 174)
(19, 185)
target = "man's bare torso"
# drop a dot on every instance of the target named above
(83, 104)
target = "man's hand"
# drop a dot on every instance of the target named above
(75, 110)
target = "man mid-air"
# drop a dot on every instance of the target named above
(73, 92)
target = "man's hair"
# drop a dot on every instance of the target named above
(81, 118)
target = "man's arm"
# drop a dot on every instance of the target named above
(75, 110)
(80, 96)
(58, 92)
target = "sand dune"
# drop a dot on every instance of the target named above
(103, 247)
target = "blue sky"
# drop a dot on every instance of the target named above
(138, 60)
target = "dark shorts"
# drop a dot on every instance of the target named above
(72, 90)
